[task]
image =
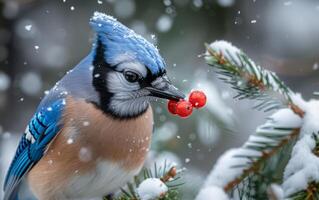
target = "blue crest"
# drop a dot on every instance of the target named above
(119, 39)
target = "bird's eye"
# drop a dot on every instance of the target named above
(131, 76)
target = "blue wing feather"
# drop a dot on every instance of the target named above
(43, 127)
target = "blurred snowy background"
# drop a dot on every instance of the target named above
(41, 39)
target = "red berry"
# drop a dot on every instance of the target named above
(197, 99)
(171, 106)
(184, 108)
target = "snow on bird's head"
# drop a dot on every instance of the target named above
(120, 40)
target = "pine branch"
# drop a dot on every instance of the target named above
(246, 168)
(304, 148)
(170, 176)
(250, 80)
(267, 151)
(236, 165)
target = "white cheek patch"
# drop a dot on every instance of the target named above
(128, 99)
(129, 107)
(116, 83)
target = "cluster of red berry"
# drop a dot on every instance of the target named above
(183, 108)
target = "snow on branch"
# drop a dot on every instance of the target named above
(250, 168)
(301, 176)
(158, 183)
(250, 80)
(237, 164)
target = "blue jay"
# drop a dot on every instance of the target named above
(90, 135)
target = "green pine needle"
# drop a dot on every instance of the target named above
(250, 80)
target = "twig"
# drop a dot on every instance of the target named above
(170, 174)
(255, 167)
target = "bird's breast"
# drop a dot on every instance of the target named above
(88, 140)
(94, 135)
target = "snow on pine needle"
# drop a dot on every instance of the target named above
(249, 172)
(152, 188)
(161, 182)
(250, 80)
(301, 176)
(238, 163)
(212, 192)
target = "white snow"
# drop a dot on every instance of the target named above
(98, 16)
(167, 2)
(224, 170)
(164, 23)
(302, 168)
(86, 123)
(227, 50)
(31, 83)
(285, 118)
(4, 81)
(198, 3)
(226, 3)
(311, 118)
(315, 66)
(151, 188)
(232, 164)
(275, 192)
(85, 154)
(70, 141)
(299, 101)
(28, 27)
(212, 192)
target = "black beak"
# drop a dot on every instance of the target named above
(162, 88)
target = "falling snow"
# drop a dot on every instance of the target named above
(85, 154)
(86, 123)
(225, 3)
(4, 81)
(70, 141)
(31, 79)
(164, 23)
(28, 27)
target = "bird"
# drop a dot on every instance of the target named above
(91, 132)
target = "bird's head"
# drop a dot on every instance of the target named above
(128, 71)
